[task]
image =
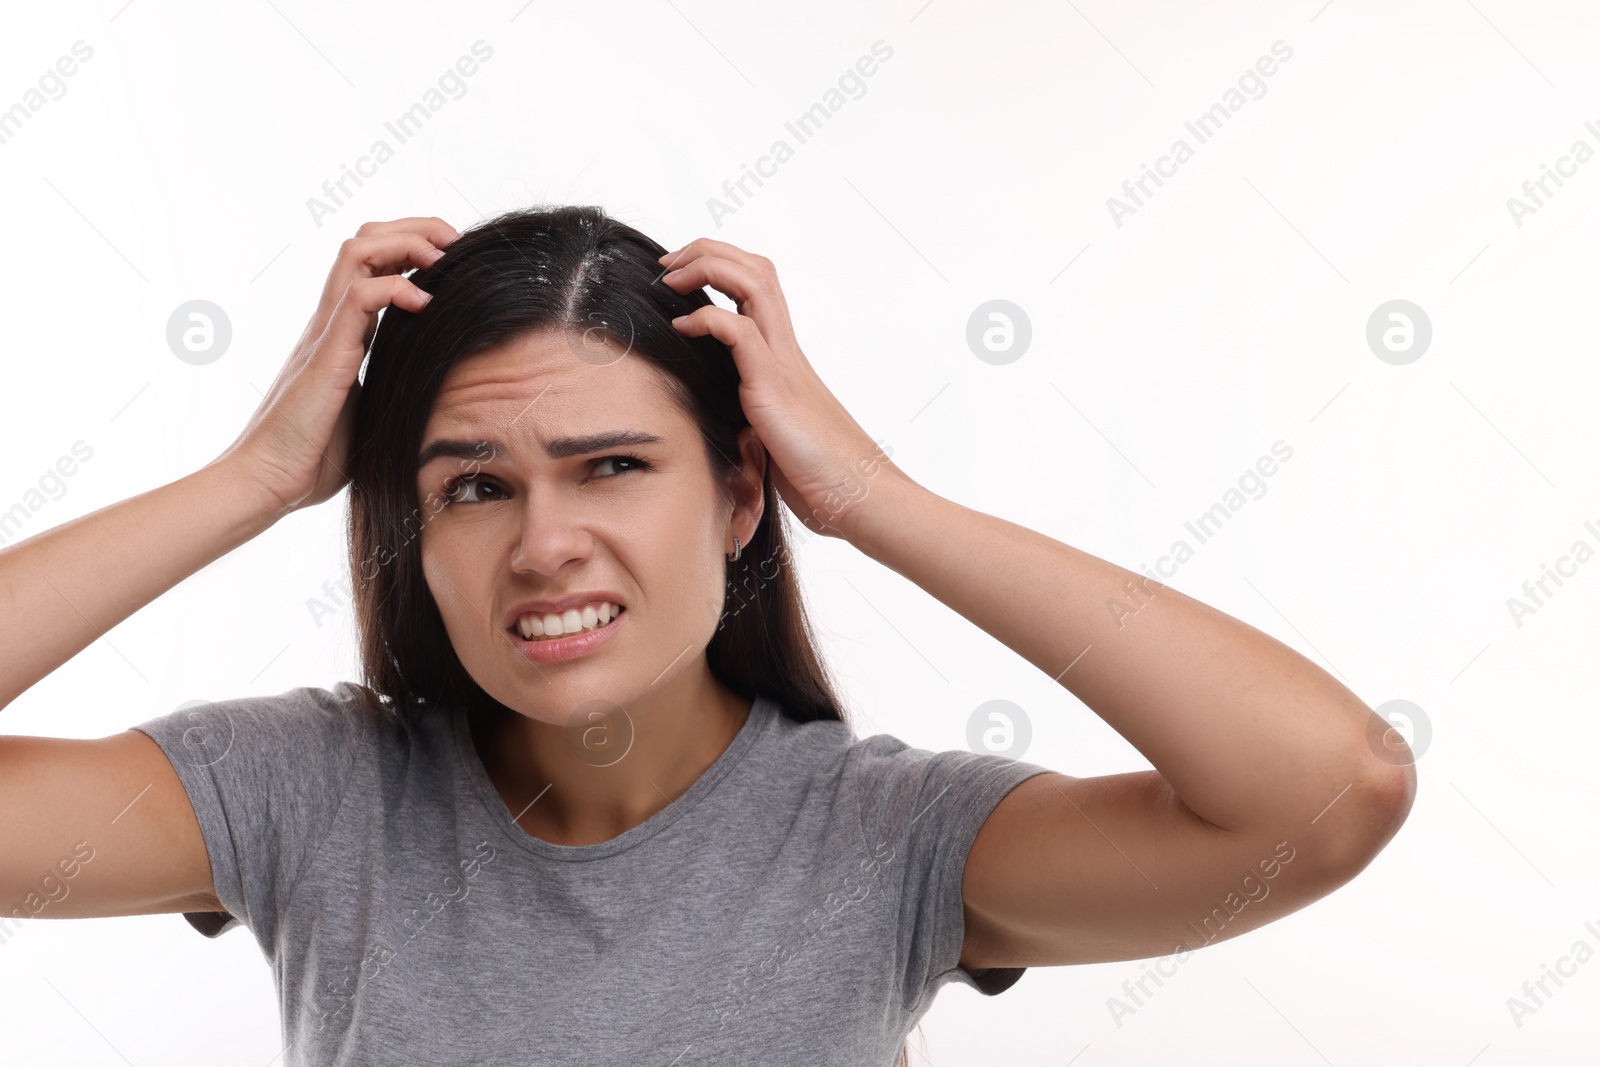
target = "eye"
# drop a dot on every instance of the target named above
(481, 484)
(637, 463)
(455, 485)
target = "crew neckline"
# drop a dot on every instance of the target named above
(762, 712)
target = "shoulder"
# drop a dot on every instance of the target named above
(881, 763)
(305, 721)
(929, 791)
(782, 743)
(883, 760)
(345, 703)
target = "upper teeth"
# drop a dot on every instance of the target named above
(573, 620)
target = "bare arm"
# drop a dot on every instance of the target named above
(62, 588)
(1254, 738)
(65, 587)
(1259, 755)
(104, 826)
(1265, 766)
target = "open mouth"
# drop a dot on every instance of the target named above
(586, 621)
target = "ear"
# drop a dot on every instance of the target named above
(746, 488)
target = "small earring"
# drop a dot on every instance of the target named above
(736, 550)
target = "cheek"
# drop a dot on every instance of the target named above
(683, 575)
(701, 587)
(706, 584)
(443, 582)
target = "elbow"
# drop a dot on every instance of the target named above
(1382, 770)
(1380, 805)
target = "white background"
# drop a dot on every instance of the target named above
(1227, 313)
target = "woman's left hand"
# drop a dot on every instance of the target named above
(823, 461)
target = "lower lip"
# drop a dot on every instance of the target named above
(559, 649)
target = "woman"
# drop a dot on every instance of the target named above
(596, 800)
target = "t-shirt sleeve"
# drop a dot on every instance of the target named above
(265, 775)
(929, 806)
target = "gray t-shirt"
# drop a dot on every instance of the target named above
(800, 903)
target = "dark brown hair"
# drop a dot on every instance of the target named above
(574, 270)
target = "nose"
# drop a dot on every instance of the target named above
(551, 535)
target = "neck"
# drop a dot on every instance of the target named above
(602, 776)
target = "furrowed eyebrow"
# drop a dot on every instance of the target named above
(483, 450)
(560, 448)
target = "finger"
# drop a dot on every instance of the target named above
(391, 253)
(432, 227)
(343, 344)
(740, 333)
(756, 293)
(707, 246)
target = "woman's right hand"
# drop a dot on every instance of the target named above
(296, 445)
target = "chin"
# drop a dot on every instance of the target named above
(559, 705)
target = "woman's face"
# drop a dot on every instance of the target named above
(537, 513)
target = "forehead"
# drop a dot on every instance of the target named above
(541, 383)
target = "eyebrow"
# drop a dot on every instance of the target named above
(560, 448)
